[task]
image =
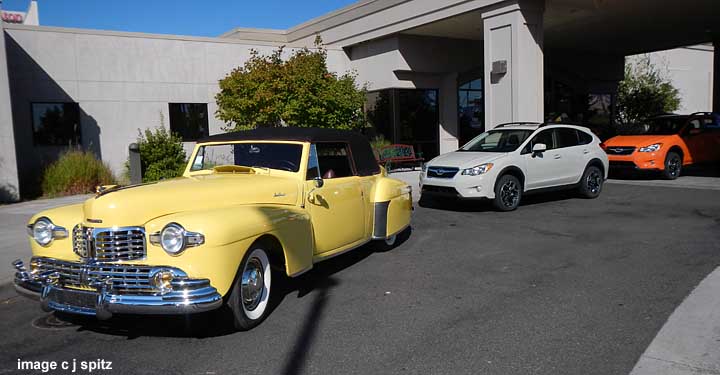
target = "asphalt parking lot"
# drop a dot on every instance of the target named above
(560, 286)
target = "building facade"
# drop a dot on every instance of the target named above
(438, 72)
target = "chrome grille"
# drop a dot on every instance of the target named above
(125, 277)
(442, 172)
(109, 244)
(619, 150)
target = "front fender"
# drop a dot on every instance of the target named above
(61, 248)
(229, 232)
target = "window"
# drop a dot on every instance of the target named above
(585, 138)
(190, 120)
(334, 160)
(545, 136)
(566, 137)
(406, 116)
(313, 169)
(471, 106)
(497, 141)
(56, 124)
(281, 156)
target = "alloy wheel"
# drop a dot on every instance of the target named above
(594, 182)
(510, 194)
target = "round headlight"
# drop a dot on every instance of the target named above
(172, 239)
(42, 231)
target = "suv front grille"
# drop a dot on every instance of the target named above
(109, 244)
(125, 277)
(444, 190)
(442, 172)
(619, 150)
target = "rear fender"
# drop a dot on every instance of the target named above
(392, 207)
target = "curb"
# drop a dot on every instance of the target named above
(688, 342)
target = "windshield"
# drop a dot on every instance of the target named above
(658, 126)
(498, 141)
(282, 156)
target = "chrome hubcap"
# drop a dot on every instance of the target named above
(594, 182)
(510, 194)
(673, 166)
(253, 284)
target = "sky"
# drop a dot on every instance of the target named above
(179, 17)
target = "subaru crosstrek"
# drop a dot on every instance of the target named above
(517, 158)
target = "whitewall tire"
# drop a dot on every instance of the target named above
(252, 290)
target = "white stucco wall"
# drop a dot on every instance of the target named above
(122, 82)
(690, 69)
(9, 188)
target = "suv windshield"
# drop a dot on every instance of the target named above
(658, 126)
(282, 156)
(498, 141)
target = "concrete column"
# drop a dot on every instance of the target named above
(716, 77)
(9, 185)
(514, 87)
(448, 113)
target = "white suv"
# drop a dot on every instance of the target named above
(516, 158)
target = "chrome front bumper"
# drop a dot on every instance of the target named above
(106, 289)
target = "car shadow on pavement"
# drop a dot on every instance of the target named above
(485, 205)
(701, 170)
(216, 323)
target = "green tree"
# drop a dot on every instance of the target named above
(268, 91)
(645, 91)
(162, 155)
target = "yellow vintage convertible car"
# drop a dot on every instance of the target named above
(248, 202)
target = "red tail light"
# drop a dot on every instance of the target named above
(602, 146)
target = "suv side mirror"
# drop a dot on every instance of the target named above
(539, 148)
(318, 182)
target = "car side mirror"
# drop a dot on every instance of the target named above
(318, 182)
(539, 148)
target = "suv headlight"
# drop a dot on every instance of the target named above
(651, 148)
(174, 239)
(43, 231)
(478, 169)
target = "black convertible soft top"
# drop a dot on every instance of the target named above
(360, 147)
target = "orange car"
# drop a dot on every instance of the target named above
(667, 143)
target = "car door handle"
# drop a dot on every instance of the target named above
(586, 151)
(557, 156)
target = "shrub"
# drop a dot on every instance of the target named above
(378, 142)
(161, 154)
(76, 172)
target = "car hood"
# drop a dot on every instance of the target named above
(636, 140)
(136, 205)
(465, 159)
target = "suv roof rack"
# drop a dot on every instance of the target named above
(519, 123)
